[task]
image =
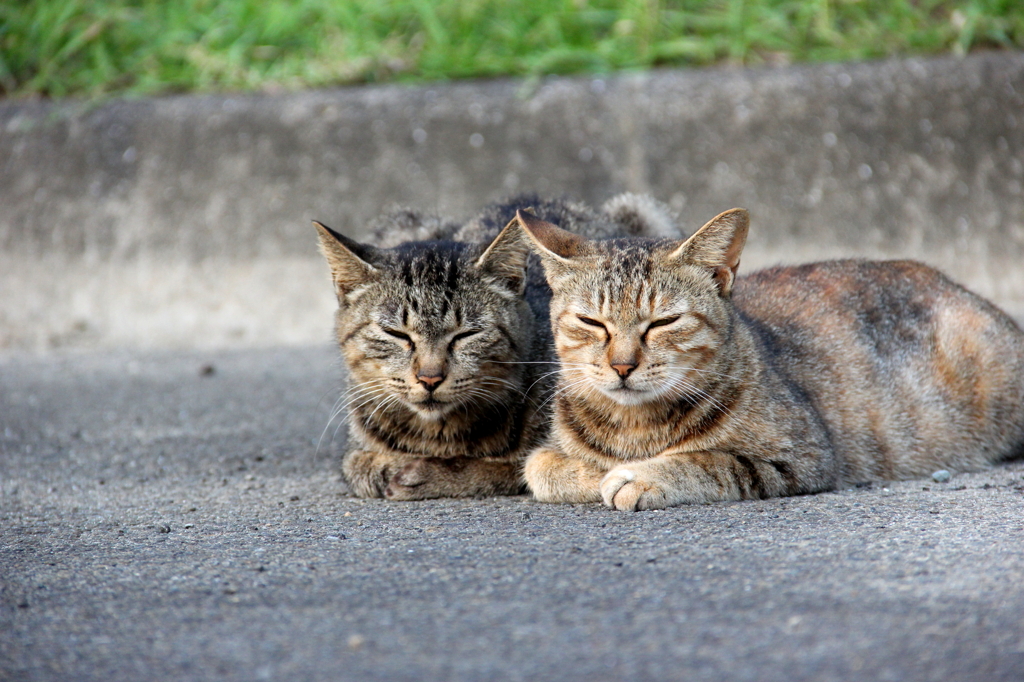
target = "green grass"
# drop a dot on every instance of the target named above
(60, 48)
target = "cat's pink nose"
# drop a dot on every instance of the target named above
(624, 370)
(430, 382)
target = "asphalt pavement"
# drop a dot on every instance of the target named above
(180, 516)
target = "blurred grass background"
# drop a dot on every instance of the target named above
(61, 48)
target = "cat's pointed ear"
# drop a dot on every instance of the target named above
(717, 247)
(348, 260)
(505, 258)
(555, 246)
(551, 241)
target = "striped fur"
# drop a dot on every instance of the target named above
(447, 365)
(681, 385)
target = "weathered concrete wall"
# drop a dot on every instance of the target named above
(185, 221)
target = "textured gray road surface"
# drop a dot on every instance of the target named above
(168, 517)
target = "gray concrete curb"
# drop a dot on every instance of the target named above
(184, 221)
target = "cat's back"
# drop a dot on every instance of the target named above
(888, 305)
(910, 371)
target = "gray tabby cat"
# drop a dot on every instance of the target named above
(447, 344)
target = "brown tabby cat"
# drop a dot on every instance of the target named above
(678, 388)
(447, 365)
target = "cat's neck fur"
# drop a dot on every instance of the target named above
(493, 429)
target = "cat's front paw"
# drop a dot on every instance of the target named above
(417, 480)
(553, 477)
(367, 472)
(627, 488)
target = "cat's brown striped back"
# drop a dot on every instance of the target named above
(679, 387)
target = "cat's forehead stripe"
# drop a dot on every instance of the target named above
(407, 276)
(432, 276)
(453, 277)
(627, 283)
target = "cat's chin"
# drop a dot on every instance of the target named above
(629, 396)
(431, 410)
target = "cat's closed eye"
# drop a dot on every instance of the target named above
(401, 336)
(462, 335)
(590, 322)
(661, 322)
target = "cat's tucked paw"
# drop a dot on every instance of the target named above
(417, 480)
(553, 477)
(626, 489)
(366, 472)
(371, 485)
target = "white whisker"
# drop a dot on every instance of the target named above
(374, 388)
(563, 389)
